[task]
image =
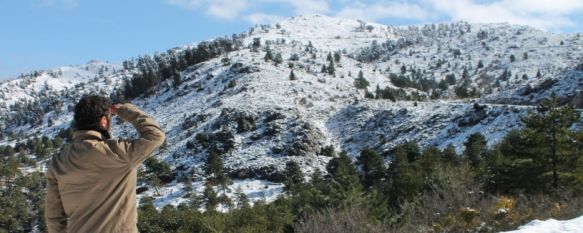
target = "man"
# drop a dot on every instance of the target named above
(91, 184)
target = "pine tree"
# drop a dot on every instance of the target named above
(378, 92)
(549, 130)
(268, 55)
(410, 150)
(373, 167)
(324, 69)
(214, 167)
(475, 149)
(242, 199)
(256, 44)
(293, 177)
(292, 76)
(450, 79)
(512, 58)
(480, 64)
(345, 184)
(278, 59)
(337, 57)
(449, 154)
(210, 197)
(430, 160)
(361, 82)
(465, 74)
(331, 69)
(329, 57)
(156, 183)
(405, 178)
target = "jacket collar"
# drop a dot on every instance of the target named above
(81, 135)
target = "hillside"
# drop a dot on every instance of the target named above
(432, 84)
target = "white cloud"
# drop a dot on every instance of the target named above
(378, 11)
(304, 7)
(542, 14)
(223, 9)
(227, 9)
(66, 4)
(553, 7)
(261, 18)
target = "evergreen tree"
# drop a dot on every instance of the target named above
(337, 57)
(505, 75)
(405, 178)
(443, 85)
(176, 81)
(214, 167)
(450, 79)
(549, 130)
(242, 199)
(369, 95)
(378, 92)
(475, 149)
(373, 167)
(430, 160)
(156, 183)
(361, 82)
(256, 44)
(329, 57)
(480, 64)
(324, 69)
(278, 59)
(268, 55)
(465, 74)
(512, 58)
(292, 76)
(410, 150)
(293, 177)
(449, 154)
(331, 69)
(345, 185)
(211, 198)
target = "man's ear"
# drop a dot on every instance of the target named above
(103, 122)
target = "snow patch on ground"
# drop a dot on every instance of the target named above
(551, 226)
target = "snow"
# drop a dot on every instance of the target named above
(255, 190)
(329, 105)
(551, 226)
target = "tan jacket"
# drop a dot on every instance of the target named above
(91, 184)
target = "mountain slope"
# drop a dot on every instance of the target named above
(433, 84)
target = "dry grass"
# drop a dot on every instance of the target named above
(352, 219)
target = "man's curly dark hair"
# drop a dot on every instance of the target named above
(89, 110)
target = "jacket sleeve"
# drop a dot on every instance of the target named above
(151, 136)
(55, 216)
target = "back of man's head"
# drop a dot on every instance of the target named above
(89, 110)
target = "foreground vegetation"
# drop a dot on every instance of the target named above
(533, 173)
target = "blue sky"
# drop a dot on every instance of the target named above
(41, 34)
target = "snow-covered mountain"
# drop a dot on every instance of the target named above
(447, 82)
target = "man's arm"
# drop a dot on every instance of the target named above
(55, 216)
(151, 136)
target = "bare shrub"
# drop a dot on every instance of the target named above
(352, 219)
